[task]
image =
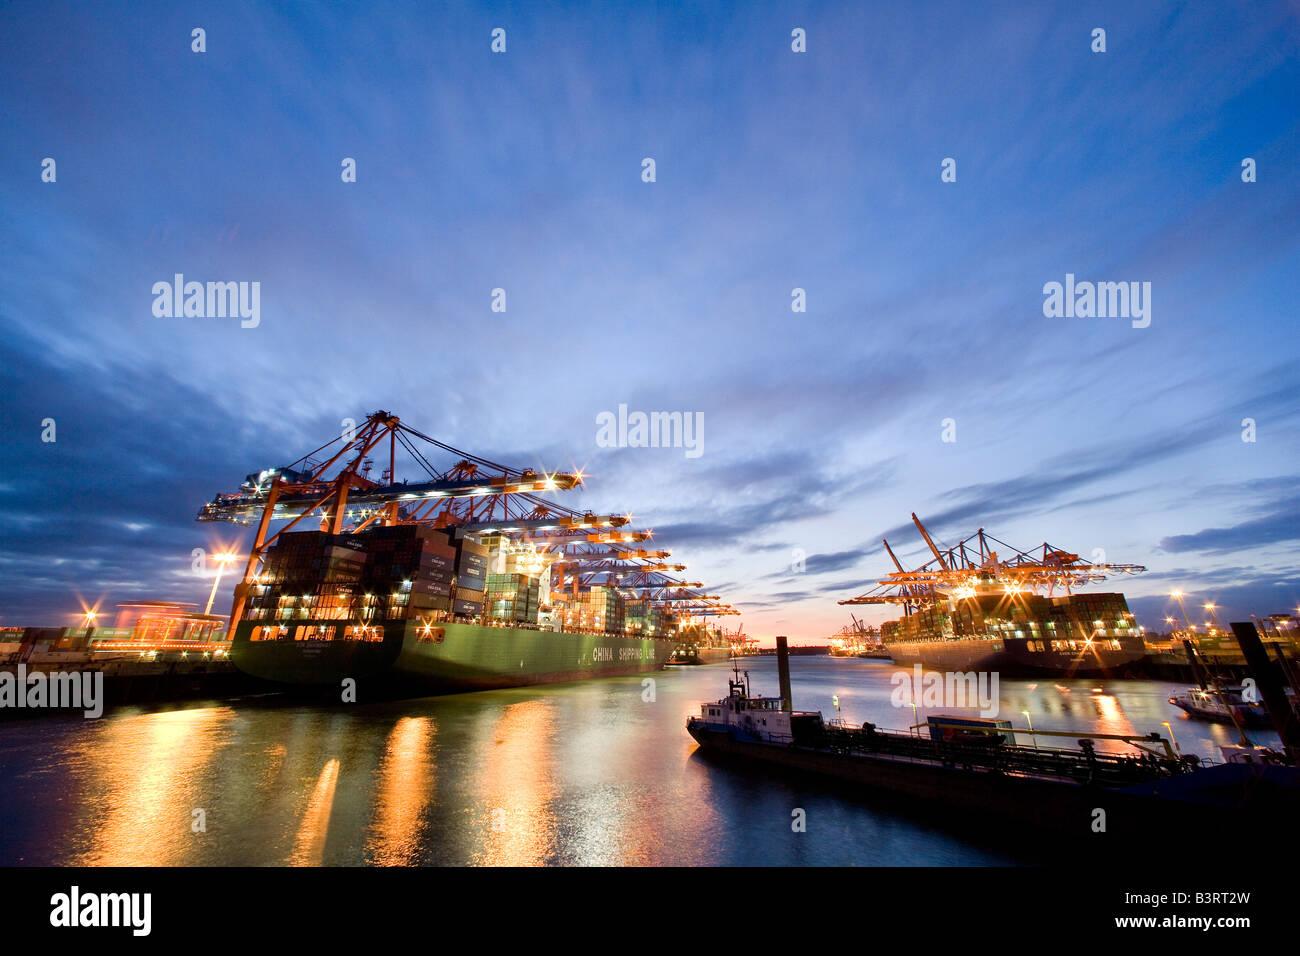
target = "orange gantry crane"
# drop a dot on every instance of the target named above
(972, 567)
(332, 489)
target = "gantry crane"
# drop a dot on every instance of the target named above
(332, 485)
(971, 567)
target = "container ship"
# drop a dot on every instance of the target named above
(703, 644)
(465, 579)
(970, 609)
(859, 640)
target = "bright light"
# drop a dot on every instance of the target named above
(1175, 594)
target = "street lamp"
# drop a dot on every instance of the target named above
(1210, 607)
(1032, 735)
(222, 560)
(1172, 737)
(1178, 596)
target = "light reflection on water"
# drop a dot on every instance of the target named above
(579, 774)
(404, 788)
(144, 816)
(513, 823)
(309, 844)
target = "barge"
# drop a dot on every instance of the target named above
(975, 767)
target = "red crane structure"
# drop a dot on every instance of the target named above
(971, 567)
(332, 488)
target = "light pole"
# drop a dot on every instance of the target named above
(222, 560)
(1032, 735)
(1177, 749)
(1178, 596)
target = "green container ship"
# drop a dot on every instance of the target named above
(388, 606)
(463, 579)
(445, 657)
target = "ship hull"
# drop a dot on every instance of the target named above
(1218, 797)
(448, 658)
(702, 655)
(1250, 716)
(1014, 658)
(1038, 804)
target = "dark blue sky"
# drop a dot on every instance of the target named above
(775, 170)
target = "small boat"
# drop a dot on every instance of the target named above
(1222, 706)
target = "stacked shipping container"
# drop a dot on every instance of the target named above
(413, 572)
(512, 597)
(471, 575)
(398, 572)
(596, 609)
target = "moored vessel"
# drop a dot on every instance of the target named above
(463, 580)
(975, 766)
(969, 608)
(447, 657)
(1222, 705)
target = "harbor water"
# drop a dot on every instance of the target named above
(594, 773)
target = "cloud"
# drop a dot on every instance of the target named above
(1279, 524)
(815, 564)
(986, 503)
(819, 426)
(1258, 595)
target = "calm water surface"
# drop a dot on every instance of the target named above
(580, 774)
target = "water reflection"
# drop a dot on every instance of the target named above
(583, 774)
(405, 789)
(309, 845)
(144, 781)
(513, 823)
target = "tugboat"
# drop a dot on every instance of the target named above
(1222, 706)
(747, 717)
